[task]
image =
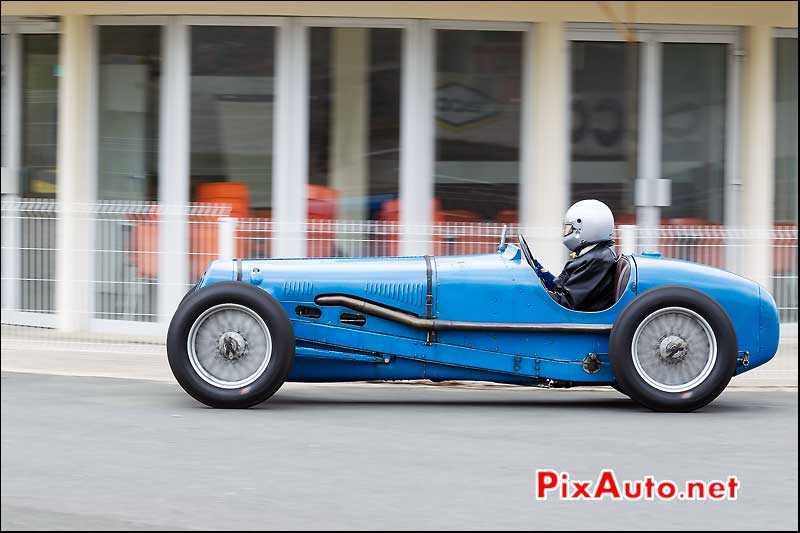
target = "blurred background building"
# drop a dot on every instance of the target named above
(119, 118)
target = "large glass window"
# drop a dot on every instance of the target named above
(129, 76)
(693, 121)
(354, 122)
(5, 122)
(478, 88)
(232, 92)
(39, 114)
(785, 245)
(786, 131)
(605, 102)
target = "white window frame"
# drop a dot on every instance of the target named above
(130, 20)
(280, 24)
(339, 22)
(121, 20)
(782, 33)
(169, 273)
(300, 71)
(290, 127)
(651, 38)
(211, 20)
(787, 329)
(174, 150)
(14, 28)
(419, 114)
(12, 103)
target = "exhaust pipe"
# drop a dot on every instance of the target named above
(434, 324)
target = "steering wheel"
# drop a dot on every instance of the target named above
(526, 251)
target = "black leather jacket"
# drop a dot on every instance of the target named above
(587, 282)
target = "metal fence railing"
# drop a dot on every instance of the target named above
(126, 260)
(36, 269)
(369, 238)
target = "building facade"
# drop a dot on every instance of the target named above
(408, 112)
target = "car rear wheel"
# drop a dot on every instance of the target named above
(230, 345)
(673, 349)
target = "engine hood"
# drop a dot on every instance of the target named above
(398, 282)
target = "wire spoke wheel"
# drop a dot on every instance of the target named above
(674, 349)
(229, 346)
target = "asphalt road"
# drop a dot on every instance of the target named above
(101, 453)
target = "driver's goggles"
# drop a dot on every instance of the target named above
(568, 228)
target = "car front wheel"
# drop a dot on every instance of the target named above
(230, 345)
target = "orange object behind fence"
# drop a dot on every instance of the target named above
(253, 238)
(204, 229)
(323, 203)
(231, 193)
(448, 238)
(694, 239)
(507, 216)
(143, 243)
(784, 245)
(390, 214)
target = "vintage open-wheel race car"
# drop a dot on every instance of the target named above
(676, 335)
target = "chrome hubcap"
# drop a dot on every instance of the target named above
(229, 346)
(674, 349)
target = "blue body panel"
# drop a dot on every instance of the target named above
(499, 287)
(749, 306)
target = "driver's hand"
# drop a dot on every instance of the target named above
(546, 277)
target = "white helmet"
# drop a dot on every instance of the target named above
(587, 222)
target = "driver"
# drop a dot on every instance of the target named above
(587, 281)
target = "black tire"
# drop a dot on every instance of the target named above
(636, 386)
(279, 328)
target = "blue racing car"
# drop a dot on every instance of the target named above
(672, 340)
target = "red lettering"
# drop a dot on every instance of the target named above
(633, 495)
(695, 490)
(581, 489)
(546, 480)
(649, 483)
(667, 490)
(648, 488)
(733, 486)
(716, 490)
(607, 484)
